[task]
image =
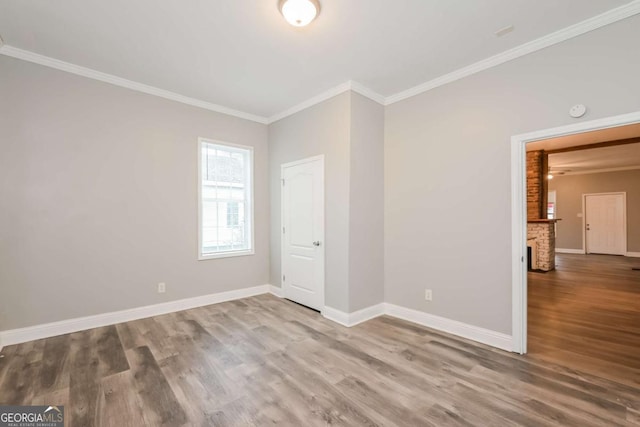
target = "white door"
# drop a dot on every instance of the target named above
(605, 224)
(303, 232)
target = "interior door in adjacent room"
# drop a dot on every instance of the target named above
(605, 223)
(303, 232)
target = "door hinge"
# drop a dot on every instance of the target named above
(283, 182)
(284, 277)
(521, 259)
(283, 230)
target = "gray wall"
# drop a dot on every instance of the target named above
(321, 129)
(349, 130)
(366, 223)
(447, 168)
(90, 173)
(99, 198)
(569, 190)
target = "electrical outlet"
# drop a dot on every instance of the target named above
(162, 288)
(428, 295)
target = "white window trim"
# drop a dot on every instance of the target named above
(201, 256)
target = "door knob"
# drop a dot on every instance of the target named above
(316, 243)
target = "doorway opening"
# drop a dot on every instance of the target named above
(551, 216)
(581, 221)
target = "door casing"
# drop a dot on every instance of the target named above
(519, 213)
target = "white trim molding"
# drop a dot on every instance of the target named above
(519, 211)
(249, 179)
(30, 333)
(336, 315)
(454, 327)
(570, 251)
(464, 330)
(367, 93)
(485, 336)
(328, 94)
(276, 290)
(354, 318)
(334, 91)
(36, 58)
(633, 254)
(598, 21)
(593, 23)
(606, 18)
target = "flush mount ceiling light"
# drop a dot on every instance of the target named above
(299, 12)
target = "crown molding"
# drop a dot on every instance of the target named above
(606, 18)
(310, 102)
(334, 91)
(36, 58)
(368, 93)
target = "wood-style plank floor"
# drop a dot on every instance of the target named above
(263, 361)
(586, 315)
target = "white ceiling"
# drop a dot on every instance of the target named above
(243, 55)
(597, 159)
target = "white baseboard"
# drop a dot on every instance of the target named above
(367, 314)
(464, 330)
(485, 336)
(17, 336)
(570, 251)
(582, 252)
(336, 315)
(276, 290)
(355, 318)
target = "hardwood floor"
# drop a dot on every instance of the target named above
(586, 315)
(263, 360)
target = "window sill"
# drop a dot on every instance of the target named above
(225, 255)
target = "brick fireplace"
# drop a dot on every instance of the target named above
(541, 232)
(541, 237)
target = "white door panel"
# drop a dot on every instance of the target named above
(605, 224)
(303, 232)
(300, 271)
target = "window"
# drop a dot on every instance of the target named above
(233, 218)
(225, 222)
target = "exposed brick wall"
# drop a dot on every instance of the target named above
(534, 184)
(545, 236)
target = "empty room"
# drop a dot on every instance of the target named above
(319, 212)
(583, 237)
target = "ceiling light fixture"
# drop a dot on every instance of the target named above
(299, 12)
(550, 176)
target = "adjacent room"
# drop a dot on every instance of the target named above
(312, 212)
(583, 239)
